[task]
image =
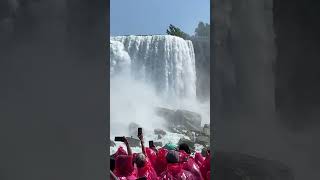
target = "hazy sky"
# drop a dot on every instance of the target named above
(154, 16)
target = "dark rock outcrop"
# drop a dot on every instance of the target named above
(191, 120)
(159, 132)
(203, 140)
(206, 129)
(182, 119)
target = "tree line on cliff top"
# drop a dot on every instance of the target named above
(202, 30)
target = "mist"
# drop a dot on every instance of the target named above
(132, 101)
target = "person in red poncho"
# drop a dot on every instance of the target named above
(205, 167)
(174, 170)
(161, 161)
(152, 156)
(188, 162)
(144, 166)
(199, 158)
(124, 169)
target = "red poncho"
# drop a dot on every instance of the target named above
(205, 168)
(161, 161)
(124, 168)
(152, 156)
(188, 163)
(147, 171)
(120, 151)
(175, 172)
(199, 158)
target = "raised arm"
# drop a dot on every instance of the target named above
(142, 144)
(128, 146)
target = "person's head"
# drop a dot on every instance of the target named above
(172, 156)
(204, 151)
(140, 160)
(185, 147)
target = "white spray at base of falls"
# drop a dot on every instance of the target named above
(148, 72)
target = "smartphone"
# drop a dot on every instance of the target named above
(151, 144)
(139, 131)
(119, 139)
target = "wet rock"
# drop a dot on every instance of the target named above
(133, 142)
(176, 130)
(181, 119)
(159, 132)
(165, 112)
(191, 135)
(191, 120)
(203, 140)
(206, 130)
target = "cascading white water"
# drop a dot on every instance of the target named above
(148, 72)
(120, 60)
(165, 62)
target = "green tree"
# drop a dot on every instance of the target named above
(175, 31)
(203, 30)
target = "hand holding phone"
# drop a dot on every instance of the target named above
(121, 139)
(151, 145)
(139, 132)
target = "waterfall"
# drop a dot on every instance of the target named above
(120, 60)
(163, 61)
(149, 72)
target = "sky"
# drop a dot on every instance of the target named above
(145, 17)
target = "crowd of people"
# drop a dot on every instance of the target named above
(169, 162)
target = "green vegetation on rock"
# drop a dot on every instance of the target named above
(175, 31)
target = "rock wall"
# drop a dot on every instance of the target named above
(201, 48)
(297, 67)
(244, 53)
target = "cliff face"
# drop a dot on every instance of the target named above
(201, 48)
(243, 58)
(297, 67)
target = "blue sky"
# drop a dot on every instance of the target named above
(154, 16)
